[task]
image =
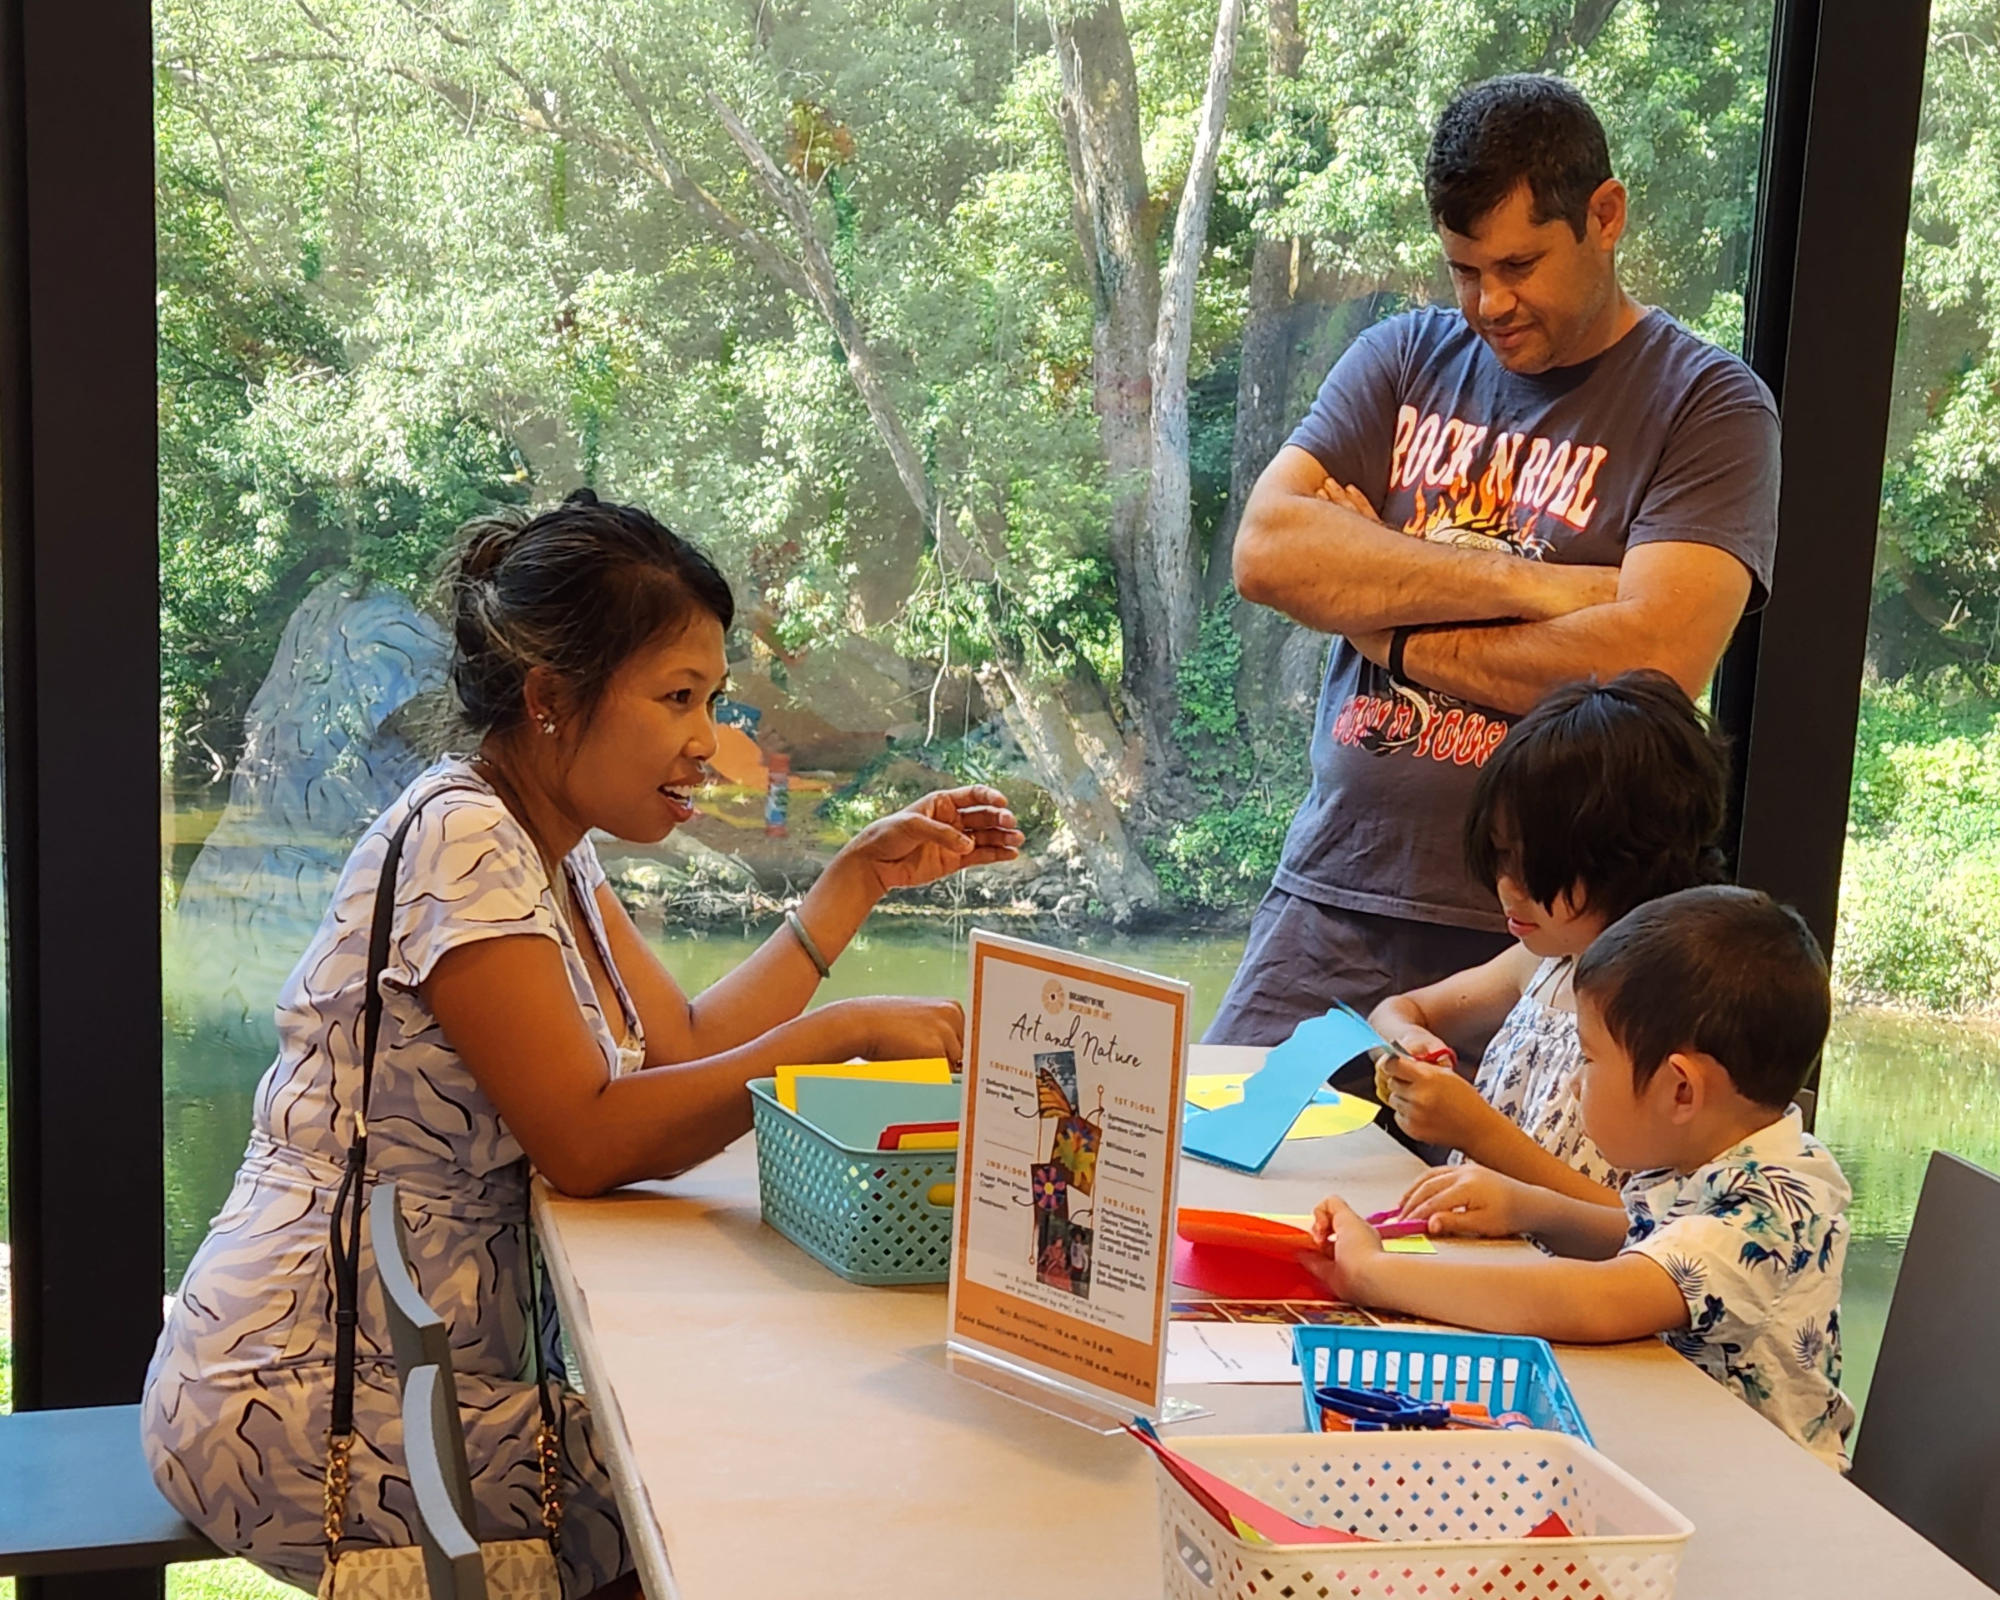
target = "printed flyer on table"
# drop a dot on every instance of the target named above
(1073, 1082)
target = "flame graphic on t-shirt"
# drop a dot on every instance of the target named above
(1474, 516)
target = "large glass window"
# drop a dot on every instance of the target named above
(862, 296)
(1915, 1062)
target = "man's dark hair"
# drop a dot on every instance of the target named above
(1719, 971)
(1612, 790)
(1499, 134)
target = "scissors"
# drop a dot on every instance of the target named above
(1379, 1411)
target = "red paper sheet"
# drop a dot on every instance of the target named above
(1237, 1509)
(1234, 1274)
(1242, 1230)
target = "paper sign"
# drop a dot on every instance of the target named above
(1069, 1144)
(1230, 1352)
(1247, 1134)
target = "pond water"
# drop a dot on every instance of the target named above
(1894, 1089)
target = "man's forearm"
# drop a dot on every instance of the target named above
(1511, 666)
(1340, 572)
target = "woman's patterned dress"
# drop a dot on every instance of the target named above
(237, 1400)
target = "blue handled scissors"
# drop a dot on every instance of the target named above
(1377, 1411)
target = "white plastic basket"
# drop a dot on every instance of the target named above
(1451, 1511)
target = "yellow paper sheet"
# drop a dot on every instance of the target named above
(1214, 1090)
(933, 1069)
(1415, 1245)
(1324, 1121)
(928, 1141)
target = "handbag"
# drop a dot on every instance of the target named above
(516, 1569)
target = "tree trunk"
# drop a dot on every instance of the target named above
(1117, 233)
(1071, 740)
(1170, 596)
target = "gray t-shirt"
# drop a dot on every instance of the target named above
(1662, 437)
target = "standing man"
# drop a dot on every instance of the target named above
(1547, 482)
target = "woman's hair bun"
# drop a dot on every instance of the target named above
(575, 590)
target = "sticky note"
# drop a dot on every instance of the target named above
(1413, 1245)
(935, 1069)
(1246, 1135)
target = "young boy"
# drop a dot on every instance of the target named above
(1700, 1014)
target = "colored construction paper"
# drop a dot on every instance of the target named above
(1275, 1237)
(1231, 1274)
(919, 1136)
(1330, 1112)
(1325, 1118)
(1551, 1527)
(1241, 1512)
(854, 1111)
(1247, 1134)
(933, 1070)
(1414, 1244)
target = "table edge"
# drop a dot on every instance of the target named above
(643, 1533)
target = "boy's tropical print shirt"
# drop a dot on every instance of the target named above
(1755, 1242)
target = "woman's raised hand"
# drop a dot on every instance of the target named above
(942, 833)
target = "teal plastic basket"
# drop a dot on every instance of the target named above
(866, 1214)
(1503, 1372)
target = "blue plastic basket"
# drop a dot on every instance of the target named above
(1503, 1372)
(867, 1214)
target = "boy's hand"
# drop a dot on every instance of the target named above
(1347, 1247)
(1431, 1102)
(1470, 1201)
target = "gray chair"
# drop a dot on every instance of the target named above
(434, 1450)
(76, 1496)
(1929, 1447)
(433, 1436)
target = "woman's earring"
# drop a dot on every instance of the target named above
(548, 724)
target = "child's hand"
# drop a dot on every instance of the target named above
(1419, 1042)
(1347, 1246)
(1471, 1201)
(1431, 1102)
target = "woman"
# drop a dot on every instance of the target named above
(524, 1022)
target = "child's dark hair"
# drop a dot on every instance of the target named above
(1614, 789)
(1721, 971)
(577, 590)
(1497, 135)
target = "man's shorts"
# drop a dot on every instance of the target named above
(1302, 957)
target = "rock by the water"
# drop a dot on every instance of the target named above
(321, 758)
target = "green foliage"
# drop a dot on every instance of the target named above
(1920, 885)
(1249, 781)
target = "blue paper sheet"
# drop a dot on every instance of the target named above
(1246, 1135)
(854, 1111)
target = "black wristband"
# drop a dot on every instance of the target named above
(1399, 639)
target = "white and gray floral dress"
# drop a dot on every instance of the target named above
(238, 1396)
(1529, 1074)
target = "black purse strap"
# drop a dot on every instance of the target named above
(345, 1231)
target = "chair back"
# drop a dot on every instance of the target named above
(1929, 1444)
(416, 1332)
(453, 1564)
(423, 1345)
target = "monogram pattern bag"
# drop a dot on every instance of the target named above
(516, 1569)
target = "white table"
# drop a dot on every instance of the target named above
(775, 1431)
